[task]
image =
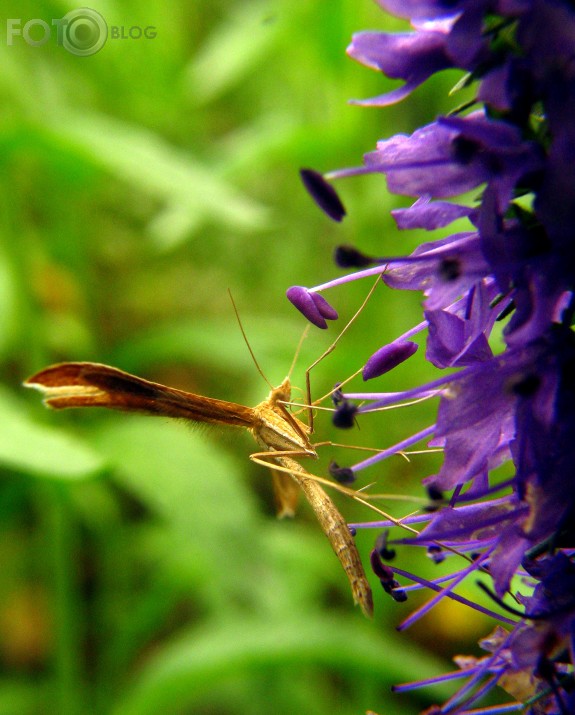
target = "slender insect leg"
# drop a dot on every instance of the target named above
(329, 350)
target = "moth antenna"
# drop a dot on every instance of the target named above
(247, 342)
(297, 350)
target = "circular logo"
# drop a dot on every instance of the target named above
(85, 32)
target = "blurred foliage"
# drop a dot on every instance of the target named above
(143, 568)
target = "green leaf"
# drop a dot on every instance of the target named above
(246, 37)
(178, 472)
(218, 340)
(186, 669)
(196, 489)
(40, 450)
(19, 696)
(190, 191)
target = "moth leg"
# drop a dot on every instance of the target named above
(330, 349)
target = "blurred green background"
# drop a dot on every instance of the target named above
(143, 569)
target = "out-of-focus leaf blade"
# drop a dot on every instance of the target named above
(195, 487)
(176, 470)
(184, 670)
(40, 450)
(19, 696)
(190, 191)
(227, 56)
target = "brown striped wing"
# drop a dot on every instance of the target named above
(90, 384)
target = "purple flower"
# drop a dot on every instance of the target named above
(444, 269)
(511, 401)
(454, 155)
(430, 215)
(552, 605)
(413, 57)
(456, 340)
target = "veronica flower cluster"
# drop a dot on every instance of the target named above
(515, 147)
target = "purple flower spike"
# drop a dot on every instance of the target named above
(315, 308)
(323, 194)
(388, 357)
(508, 400)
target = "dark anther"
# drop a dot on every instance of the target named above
(384, 552)
(344, 415)
(449, 269)
(343, 475)
(386, 578)
(527, 387)
(323, 194)
(350, 257)
(398, 594)
(506, 311)
(464, 150)
(436, 499)
(337, 395)
(436, 554)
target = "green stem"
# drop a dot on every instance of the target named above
(66, 604)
